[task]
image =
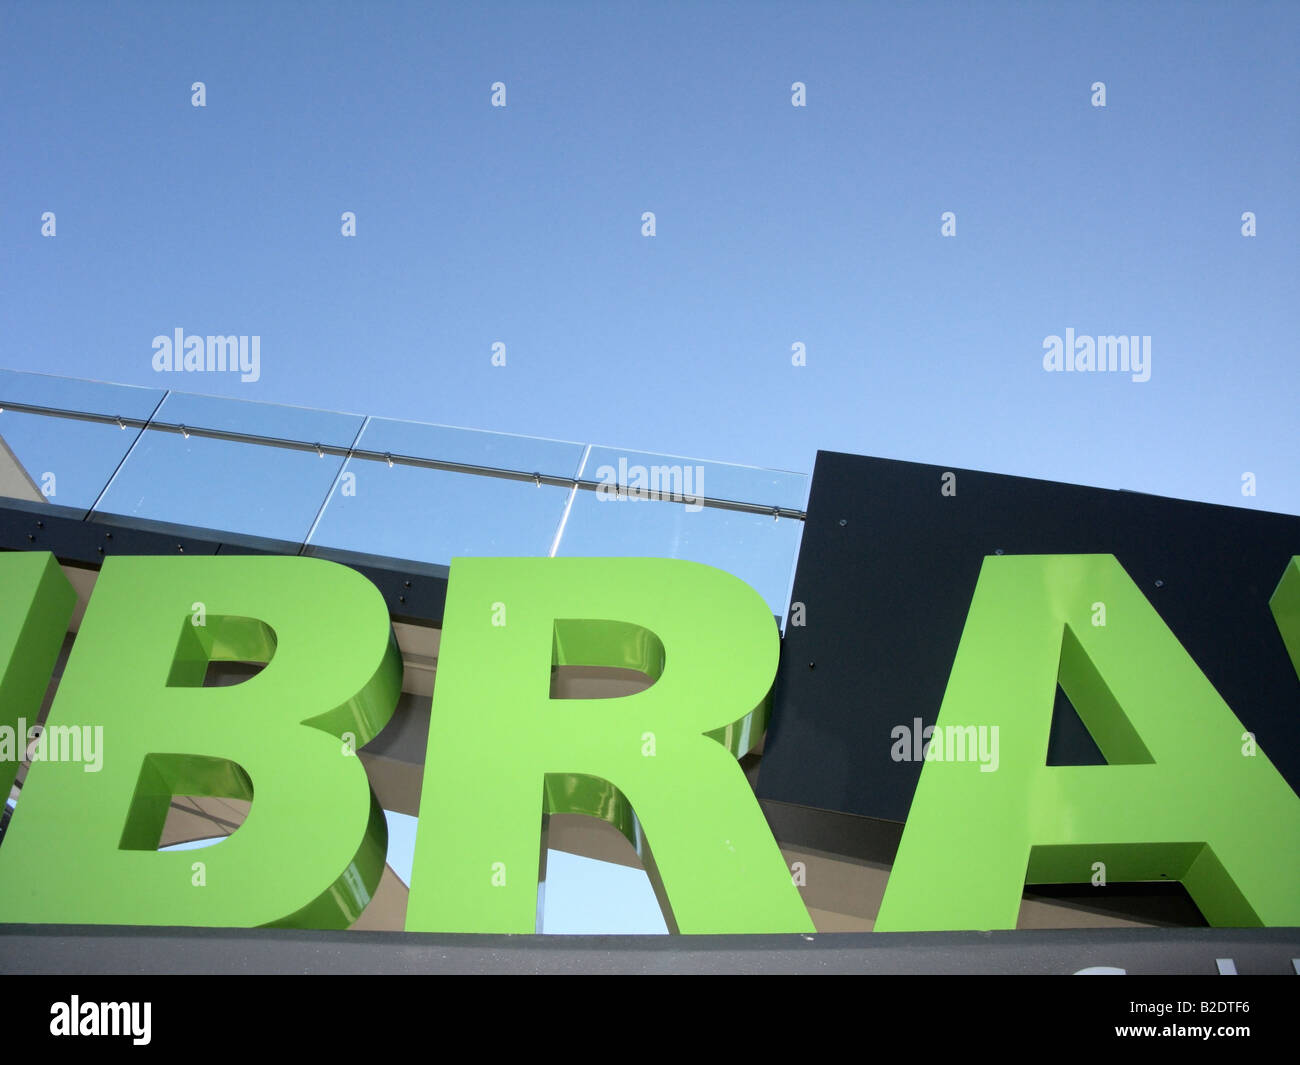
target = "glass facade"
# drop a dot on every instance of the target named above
(343, 485)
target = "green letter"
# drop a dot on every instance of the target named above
(82, 844)
(35, 606)
(1178, 800)
(1285, 605)
(502, 752)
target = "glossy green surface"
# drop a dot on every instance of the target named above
(36, 602)
(1285, 604)
(1185, 796)
(80, 848)
(502, 752)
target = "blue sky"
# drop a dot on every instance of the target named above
(775, 224)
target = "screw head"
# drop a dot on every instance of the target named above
(844, 521)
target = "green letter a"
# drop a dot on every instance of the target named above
(1179, 800)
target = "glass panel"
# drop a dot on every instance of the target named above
(85, 397)
(694, 477)
(60, 460)
(433, 515)
(221, 485)
(473, 447)
(753, 547)
(260, 419)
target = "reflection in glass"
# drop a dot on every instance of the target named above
(73, 394)
(472, 447)
(60, 460)
(260, 419)
(434, 515)
(221, 485)
(666, 476)
(753, 547)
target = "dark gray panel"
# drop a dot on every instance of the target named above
(93, 950)
(887, 567)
